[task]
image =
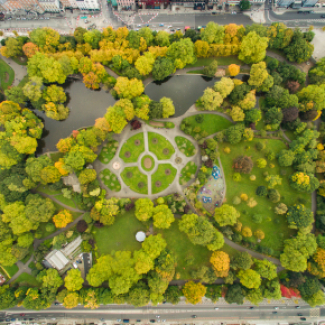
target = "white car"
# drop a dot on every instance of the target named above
(170, 26)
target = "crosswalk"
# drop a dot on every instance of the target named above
(315, 312)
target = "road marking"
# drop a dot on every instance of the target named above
(315, 312)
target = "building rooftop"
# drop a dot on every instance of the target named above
(56, 259)
(71, 247)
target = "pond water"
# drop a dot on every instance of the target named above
(87, 105)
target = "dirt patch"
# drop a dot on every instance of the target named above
(147, 163)
(157, 124)
(127, 154)
(6, 77)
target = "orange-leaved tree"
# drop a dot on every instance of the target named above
(221, 263)
(62, 219)
(194, 292)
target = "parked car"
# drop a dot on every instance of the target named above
(322, 16)
(161, 25)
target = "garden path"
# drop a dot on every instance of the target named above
(20, 70)
(23, 268)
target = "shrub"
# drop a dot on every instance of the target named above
(244, 197)
(82, 226)
(281, 208)
(257, 218)
(252, 177)
(251, 202)
(259, 234)
(261, 163)
(246, 232)
(226, 150)
(236, 177)
(237, 227)
(236, 200)
(260, 146)
(261, 191)
(243, 164)
(273, 195)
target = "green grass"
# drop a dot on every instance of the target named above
(275, 231)
(65, 200)
(55, 156)
(161, 176)
(110, 180)
(20, 62)
(212, 123)
(23, 81)
(158, 148)
(136, 178)
(134, 150)
(59, 207)
(28, 280)
(291, 135)
(195, 71)
(222, 60)
(10, 270)
(45, 189)
(108, 152)
(7, 75)
(31, 265)
(119, 236)
(152, 163)
(185, 146)
(187, 172)
(160, 124)
(43, 230)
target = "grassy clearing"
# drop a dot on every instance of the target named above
(222, 60)
(59, 207)
(291, 135)
(161, 176)
(45, 189)
(28, 280)
(108, 152)
(65, 200)
(188, 173)
(211, 123)
(152, 163)
(274, 226)
(110, 180)
(7, 75)
(137, 181)
(133, 150)
(20, 60)
(119, 236)
(185, 146)
(157, 145)
(10, 270)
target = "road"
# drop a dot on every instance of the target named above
(170, 312)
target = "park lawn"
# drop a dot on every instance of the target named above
(274, 226)
(187, 173)
(7, 75)
(157, 147)
(160, 124)
(65, 200)
(136, 178)
(161, 176)
(110, 180)
(20, 60)
(59, 207)
(291, 135)
(134, 150)
(222, 60)
(23, 81)
(108, 152)
(42, 228)
(10, 270)
(185, 146)
(32, 265)
(27, 279)
(120, 235)
(45, 189)
(152, 163)
(212, 123)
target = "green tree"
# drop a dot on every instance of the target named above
(224, 86)
(194, 292)
(50, 278)
(162, 68)
(265, 269)
(226, 215)
(253, 48)
(16, 94)
(299, 217)
(235, 294)
(255, 296)
(168, 108)
(286, 158)
(162, 217)
(129, 89)
(153, 245)
(271, 289)
(181, 53)
(39, 209)
(73, 281)
(244, 5)
(138, 295)
(211, 69)
(242, 260)
(144, 209)
(249, 278)
(213, 33)
(211, 99)
(25, 240)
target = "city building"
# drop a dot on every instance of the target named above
(56, 260)
(285, 3)
(88, 4)
(125, 4)
(28, 5)
(309, 3)
(50, 5)
(253, 2)
(2, 8)
(69, 4)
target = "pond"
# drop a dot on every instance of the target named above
(87, 105)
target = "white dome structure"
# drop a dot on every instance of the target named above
(140, 236)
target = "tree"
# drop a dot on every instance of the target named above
(244, 5)
(144, 63)
(217, 242)
(162, 217)
(39, 209)
(254, 296)
(168, 107)
(237, 114)
(72, 299)
(253, 115)
(235, 294)
(225, 86)
(211, 69)
(286, 157)
(194, 292)
(258, 74)
(144, 209)
(271, 289)
(153, 245)
(261, 163)
(181, 53)
(50, 278)
(226, 215)
(73, 281)
(265, 269)
(62, 219)
(243, 164)
(162, 68)
(281, 208)
(138, 296)
(310, 286)
(87, 176)
(211, 99)
(221, 263)
(213, 33)
(82, 226)
(249, 278)
(144, 263)
(129, 89)
(253, 48)
(173, 294)
(299, 50)
(311, 98)
(242, 260)
(233, 69)
(202, 48)
(302, 182)
(13, 47)
(299, 217)
(261, 191)
(15, 94)
(25, 240)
